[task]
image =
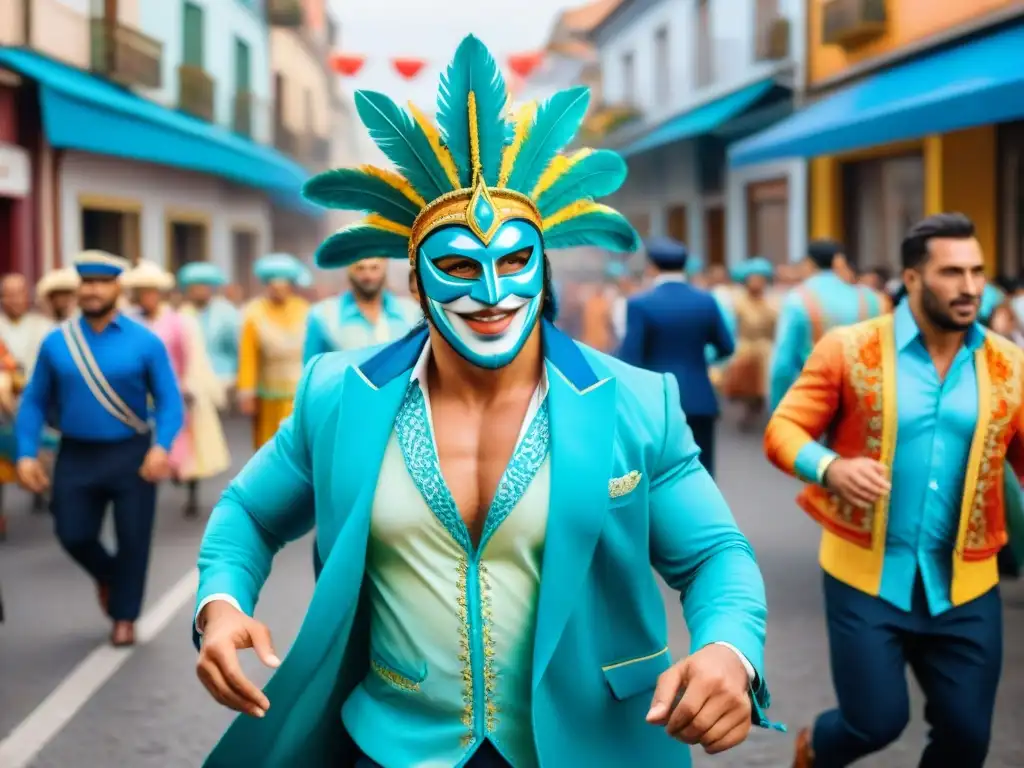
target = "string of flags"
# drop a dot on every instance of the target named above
(408, 67)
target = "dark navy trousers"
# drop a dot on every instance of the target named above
(88, 477)
(955, 656)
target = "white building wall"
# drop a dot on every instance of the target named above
(668, 176)
(160, 195)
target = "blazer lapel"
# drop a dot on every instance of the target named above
(582, 411)
(371, 396)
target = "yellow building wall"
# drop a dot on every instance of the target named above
(910, 21)
(303, 73)
(960, 175)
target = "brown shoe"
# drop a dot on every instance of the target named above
(123, 634)
(804, 757)
(103, 595)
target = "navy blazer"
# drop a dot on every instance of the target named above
(668, 329)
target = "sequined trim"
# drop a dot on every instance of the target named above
(620, 486)
(393, 678)
(486, 628)
(464, 651)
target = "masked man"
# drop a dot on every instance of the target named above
(367, 314)
(920, 409)
(504, 490)
(270, 347)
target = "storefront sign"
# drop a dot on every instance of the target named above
(15, 171)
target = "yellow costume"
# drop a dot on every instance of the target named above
(270, 360)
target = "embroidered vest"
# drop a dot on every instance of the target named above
(867, 427)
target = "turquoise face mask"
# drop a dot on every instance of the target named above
(484, 299)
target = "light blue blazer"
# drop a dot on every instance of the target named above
(601, 633)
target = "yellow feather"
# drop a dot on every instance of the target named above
(378, 221)
(572, 211)
(524, 122)
(474, 139)
(392, 179)
(557, 168)
(434, 137)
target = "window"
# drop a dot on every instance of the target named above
(882, 198)
(113, 231)
(243, 66)
(662, 67)
(628, 78)
(192, 36)
(765, 14)
(704, 66)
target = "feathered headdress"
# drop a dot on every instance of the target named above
(479, 167)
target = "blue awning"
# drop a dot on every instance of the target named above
(83, 112)
(979, 82)
(701, 120)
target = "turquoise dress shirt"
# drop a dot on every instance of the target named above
(337, 324)
(840, 305)
(221, 323)
(935, 427)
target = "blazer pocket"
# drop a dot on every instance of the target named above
(635, 676)
(620, 487)
(394, 675)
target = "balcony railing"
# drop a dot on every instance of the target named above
(851, 23)
(125, 55)
(195, 91)
(773, 40)
(242, 117)
(285, 13)
(605, 119)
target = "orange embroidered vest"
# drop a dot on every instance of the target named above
(866, 426)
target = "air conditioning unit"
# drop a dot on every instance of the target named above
(852, 23)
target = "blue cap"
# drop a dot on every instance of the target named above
(200, 273)
(758, 265)
(666, 253)
(277, 266)
(99, 265)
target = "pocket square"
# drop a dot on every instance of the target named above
(620, 486)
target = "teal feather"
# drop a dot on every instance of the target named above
(601, 229)
(474, 69)
(596, 175)
(558, 119)
(347, 246)
(404, 142)
(351, 189)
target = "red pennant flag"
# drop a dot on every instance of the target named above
(347, 64)
(408, 67)
(523, 64)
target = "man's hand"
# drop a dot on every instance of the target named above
(225, 631)
(247, 404)
(156, 466)
(858, 481)
(32, 475)
(714, 708)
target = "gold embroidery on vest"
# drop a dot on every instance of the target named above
(1004, 374)
(393, 678)
(464, 654)
(490, 677)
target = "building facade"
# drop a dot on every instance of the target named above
(148, 126)
(911, 108)
(681, 81)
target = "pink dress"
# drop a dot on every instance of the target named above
(170, 327)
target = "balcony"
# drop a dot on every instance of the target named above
(285, 13)
(316, 152)
(244, 107)
(607, 118)
(195, 92)
(125, 55)
(852, 23)
(773, 40)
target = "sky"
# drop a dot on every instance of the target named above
(432, 29)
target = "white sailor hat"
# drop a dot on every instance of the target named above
(99, 265)
(64, 279)
(147, 274)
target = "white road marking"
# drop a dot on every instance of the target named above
(46, 721)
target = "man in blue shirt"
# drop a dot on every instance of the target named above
(826, 300)
(921, 408)
(678, 329)
(99, 370)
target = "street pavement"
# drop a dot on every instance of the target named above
(152, 712)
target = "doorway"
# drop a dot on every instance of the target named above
(115, 231)
(1011, 214)
(187, 241)
(678, 229)
(243, 255)
(768, 220)
(6, 235)
(714, 235)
